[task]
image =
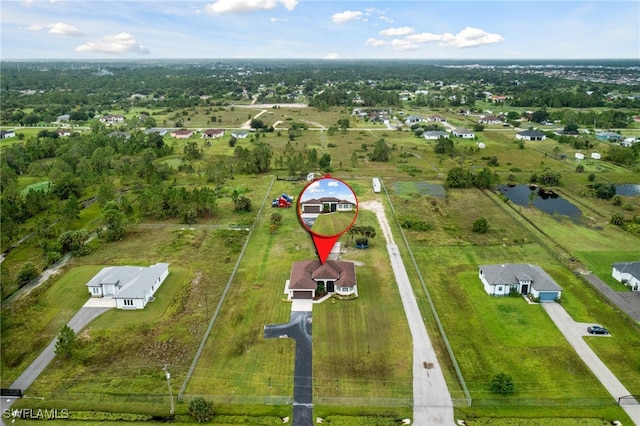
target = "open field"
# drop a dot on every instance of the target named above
(362, 346)
(332, 223)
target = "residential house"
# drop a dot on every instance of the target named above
(157, 130)
(326, 205)
(436, 118)
(182, 134)
(461, 132)
(63, 117)
(335, 276)
(596, 155)
(212, 133)
(490, 119)
(239, 135)
(435, 134)
(63, 132)
(132, 287)
(501, 280)
(498, 98)
(413, 119)
(531, 135)
(627, 273)
(6, 134)
(112, 119)
(609, 136)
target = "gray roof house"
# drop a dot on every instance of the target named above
(461, 132)
(435, 134)
(627, 273)
(130, 286)
(531, 135)
(500, 280)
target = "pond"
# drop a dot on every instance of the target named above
(547, 201)
(628, 190)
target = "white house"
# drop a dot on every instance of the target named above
(489, 119)
(596, 155)
(213, 133)
(531, 135)
(461, 132)
(239, 135)
(437, 118)
(413, 119)
(326, 205)
(579, 156)
(627, 273)
(500, 280)
(131, 286)
(435, 134)
(112, 119)
(6, 134)
(335, 276)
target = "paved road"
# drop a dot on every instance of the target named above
(299, 329)
(83, 317)
(627, 301)
(574, 332)
(432, 404)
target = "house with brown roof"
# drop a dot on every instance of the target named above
(490, 119)
(310, 278)
(182, 134)
(212, 133)
(437, 118)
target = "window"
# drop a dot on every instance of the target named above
(128, 302)
(500, 288)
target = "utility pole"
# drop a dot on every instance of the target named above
(168, 376)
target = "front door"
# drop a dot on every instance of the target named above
(524, 289)
(330, 287)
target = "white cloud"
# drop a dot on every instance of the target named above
(35, 27)
(278, 20)
(424, 37)
(397, 32)
(470, 37)
(331, 56)
(386, 19)
(375, 42)
(333, 183)
(346, 16)
(404, 45)
(64, 29)
(247, 6)
(114, 44)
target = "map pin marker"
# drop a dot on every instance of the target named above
(327, 208)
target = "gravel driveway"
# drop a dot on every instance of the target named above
(432, 404)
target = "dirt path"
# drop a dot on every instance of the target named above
(432, 404)
(247, 124)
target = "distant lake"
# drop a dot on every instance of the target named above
(628, 190)
(547, 201)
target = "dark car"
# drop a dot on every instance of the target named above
(596, 329)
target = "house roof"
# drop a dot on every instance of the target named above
(461, 130)
(437, 133)
(511, 273)
(304, 273)
(132, 282)
(531, 133)
(182, 132)
(631, 268)
(213, 131)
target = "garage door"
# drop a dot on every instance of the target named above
(302, 295)
(548, 296)
(311, 209)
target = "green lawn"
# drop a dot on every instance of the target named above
(330, 224)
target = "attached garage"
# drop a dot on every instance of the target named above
(311, 208)
(298, 294)
(548, 296)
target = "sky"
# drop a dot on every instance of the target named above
(328, 187)
(319, 29)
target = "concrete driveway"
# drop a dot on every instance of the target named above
(574, 333)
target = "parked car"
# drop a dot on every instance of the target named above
(596, 329)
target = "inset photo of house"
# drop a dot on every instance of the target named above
(327, 207)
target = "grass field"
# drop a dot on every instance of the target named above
(362, 346)
(330, 224)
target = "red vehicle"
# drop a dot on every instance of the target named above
(281, 202)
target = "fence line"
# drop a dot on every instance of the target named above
(222, 297)
(431, 305)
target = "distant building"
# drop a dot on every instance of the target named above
(609, 136)
(212, 133)
(239, 135)
(461, 132)
(335, 276)
(112, 119)
(182, 134)
(627, 273)
(501, 280)
(435, 134)
(6, 134)
(531, 135)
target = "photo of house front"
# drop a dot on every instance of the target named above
(310, 278)
(132, 287)
(501, 280)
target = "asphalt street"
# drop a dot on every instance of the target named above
(299, 329)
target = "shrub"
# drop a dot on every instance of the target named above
(502, 384)
(27, 273)
(480, 225)
(200, 409)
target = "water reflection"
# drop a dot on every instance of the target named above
(547, 201)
